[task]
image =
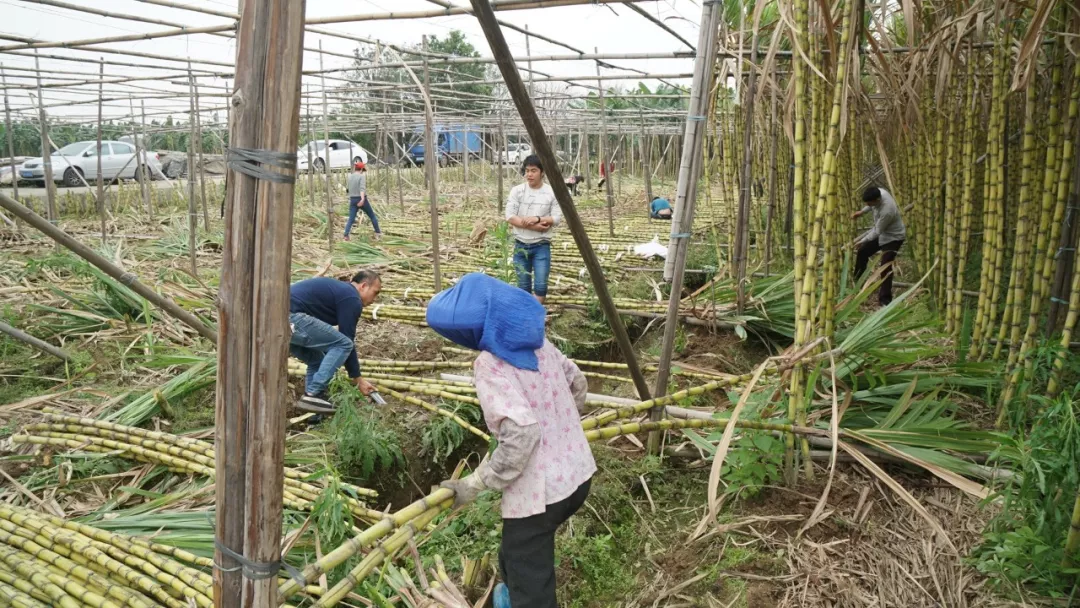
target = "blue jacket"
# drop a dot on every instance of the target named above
(658, 204)
(333, 302)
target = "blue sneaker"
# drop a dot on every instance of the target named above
(502, 596)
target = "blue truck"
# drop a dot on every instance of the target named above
(454, 142)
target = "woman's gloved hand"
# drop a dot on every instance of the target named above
(465, 490)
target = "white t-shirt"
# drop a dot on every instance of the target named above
(529, 203)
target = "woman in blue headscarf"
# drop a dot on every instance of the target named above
(531, 396)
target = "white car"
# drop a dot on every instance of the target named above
(117, 161)
(343, 153)
(515, 154)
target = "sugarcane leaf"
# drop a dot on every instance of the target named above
(901, 406)
(699, 441)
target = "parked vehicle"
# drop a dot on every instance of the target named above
(458, 141)
(515, 154)
(343, 154)
(416, 156)
(76, 162)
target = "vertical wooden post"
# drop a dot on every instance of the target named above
(685, 196)
(254, 301)
(620, 151)
(542, 147)
(465, 167)
(528, 53)
(742, 230)
(193, 209)
(645, 172)
(600, 153)
(326, 151)
(199, 154)
(46, 152)
(499, 163)
(389, 147)
(311, 142)
(10, 141)
(100, 177)
(144, 182)
(431, 166)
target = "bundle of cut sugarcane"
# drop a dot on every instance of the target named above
(180, 454)
(47, 561)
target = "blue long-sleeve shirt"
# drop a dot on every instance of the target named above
(333, 302)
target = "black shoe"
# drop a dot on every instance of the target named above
(316, 403)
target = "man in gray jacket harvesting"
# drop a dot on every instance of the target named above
(886, 236)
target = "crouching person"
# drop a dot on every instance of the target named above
(531, 396)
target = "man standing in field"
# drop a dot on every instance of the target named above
(533, 212)
(316, 306)
(886, 236)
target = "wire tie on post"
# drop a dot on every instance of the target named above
(681, 235)
(1057, 300)
(247, 160)
(128, 279)
(257, 571)
(693, 118)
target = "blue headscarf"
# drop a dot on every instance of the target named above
(483, 313)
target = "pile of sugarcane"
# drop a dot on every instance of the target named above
(48, 561)
(179, 454)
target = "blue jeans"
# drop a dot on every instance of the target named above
(356, 202)
(532, 261)
(320, 346)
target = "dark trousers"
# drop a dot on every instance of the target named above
(527, 554)
(889, 251)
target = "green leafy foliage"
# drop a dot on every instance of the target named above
(365, 444)
(442, 435)
(1024, 544)
(754, 461)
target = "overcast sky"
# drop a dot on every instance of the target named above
(614, 29)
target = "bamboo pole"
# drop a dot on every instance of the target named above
(326, 161)
(499, 165)
(310, 167)
(46, 154)
(431, 169)
(253, 301)
(643, 143)
(685, 197)
(10, 139)
(542, 147)
(605, 166)
(41, 345)
(193, 211)
(199, 152)
(100, 177)
(145, 36)
(127, 278)
(143, 182)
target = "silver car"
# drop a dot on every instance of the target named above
(76, 162)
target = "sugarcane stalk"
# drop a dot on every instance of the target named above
(380, 553)
(354, 545)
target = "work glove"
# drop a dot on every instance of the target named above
(465, 490)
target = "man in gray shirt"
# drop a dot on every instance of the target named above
(886, 236)
(358, 200)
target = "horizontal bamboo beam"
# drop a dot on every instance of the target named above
(131, 37)
(504, 5)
